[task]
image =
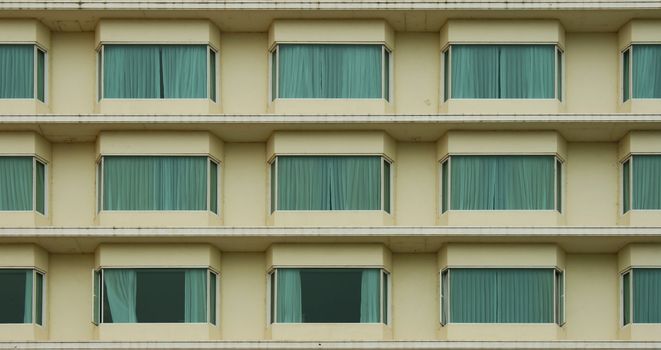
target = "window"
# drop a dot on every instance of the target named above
(503, 72)
(502, 295)
(22, 184)
(330, 183)
(641, 189)
(158, 72)
(641, 288)
(23, 72)
(21, 296)
(330, 71)
(641, 71)
(490, 182)
(158, 183)
(155, 296)
(329, 295)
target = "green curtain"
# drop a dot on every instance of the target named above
(626, 183)
(39, 298)
(626, 298)
(503, 71)
(289, 299)
(329, 183)
(446, 75)
(154, 183)
(213, 186)
(121, 293)
(27, 308)
(501, 295)
(502, 182)
(647, 295)
(16, 71)
(155, 71)
(646, 184)
(646, 71)
(40, 187)
(330, 71)
(195, 296)
(16, 183)
(41, 76)
(370, 296)
(626, 90)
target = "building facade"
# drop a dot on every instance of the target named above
(337, 175)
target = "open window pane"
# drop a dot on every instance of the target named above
(626, 185)
(445, 300)
(40, 187)
(646, 71)
(646, 185)
(213, 186)
(39, 299)
(626, 298)
(626, 69)
(16, 295)
(212, 75)
(559, 297)
(41, 76)
(212, 297)
(646, 292)
(16, 183)
(444, 186)
(386, 186)
(558, 186)
(97, 297)
(16, 71)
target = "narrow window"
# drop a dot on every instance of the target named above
(559, 72)
(97, 297)
(39, 298)
(40, 187)
(274, 74)
(273, 292)
(213, 186)
(626, 186)
(558, 186)
(626, 298)
(445, 298)
(646, 70)
(212, 74)
(559, 297)
(626, 75)
(446, 74)
(41, 75)
(386, 186)
(385, 301)
(213, 295)
(273, 186)
(386, 74)
(444, 186)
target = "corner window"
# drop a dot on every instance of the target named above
(641, 71)
(21, 296)
(640, 183)
(494, 295)
(22, 72)
(330, 183)
(155, 296)
(22, 184)
(641, 288)
(329, 295)
(157, 72)
(503, 72)
(158, 183)
(494, 182)
(330, 71)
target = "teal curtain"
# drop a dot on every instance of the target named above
(626, 185)
(16, 183)
(39, 298)
(40, 187)
(155, 71)
(626, 298)
(386, 75)
(446, 75)
(41, 76)
(501, 295)
(330, 71)
(647, 295)
(329, 183)
(646, 70)
(121, 292)
(503, 71)
(502, 182)
(213, 186)
(195, 296)
(626, 62)
(289, 299)
(212, 75)
(27, 308)
(16, 71)
(370, 296)
(646, 184)
(560, 74)
(154, 183)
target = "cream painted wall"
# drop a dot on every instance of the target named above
(73, 190)
(73, 73)
(417, 73)
(415, 181)
(244, 73)
(245, 184)
(592, 297)
(591, 179)
(592, 73)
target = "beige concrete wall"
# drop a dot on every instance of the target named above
(73, 174)
(157, 31)
(245, 184)
(501, 142)
(417, 72)
(502, 31)
(244, 73)
(72, 78)
(504, 255)
(415, 182)
(331, 143)
(159, 143)
(329, 255)
(157, 255)
(331, 31)
(243, 296)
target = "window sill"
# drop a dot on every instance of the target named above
(157, 331)
(23, 106)
(23, 219)
(529, 218)
(329, 331)
(501, 331)
(330, 218)
(166, 218)
(641, 218)
(641, 332)
(157, 106)
(23, 332)
(498, 106)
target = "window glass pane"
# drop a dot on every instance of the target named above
(446, 74)
(503, 71)
(212, 74)
(384, 297)
(40, 185)
(646, 291)
(98, 186)
(99, 67)
(559, 78)
(16, 183)
(558, 179)
(386, 186)
(154, 183)
(274, 74)
(328, 295)
(329, 183)
(626, 185)
(502, 182)
(626, 62)
(444, 297)
(386, 75)
(626, 298)
(97, 297)
(273, 184)
(560, 297)
(444, 186)
(16, 296)
(41, 76)
(213, 296)
(155, 71)
(213, 190)
(646, 188)
(16, 71)
(273, 288)
(646, 71)
(329, 71)
(495, 295)
(39, 298)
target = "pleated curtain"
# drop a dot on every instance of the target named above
(121, 292)
(27, 308)
(503, 71)
(289, 299)
(646, 184)
(154, 183)
(16, 183)
(502, 182)
(329, 183)
(370, 292)
(329, 71)
(16, 71)
(501, 295)
(646, 295)
(195, 296)
(646, 70)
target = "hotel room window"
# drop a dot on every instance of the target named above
(641, 188)
(23, 72)
(22, 184)
(640, 300)
(21, 296)
(641, 72)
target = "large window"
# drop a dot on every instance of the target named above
(330, 183)
(157, 72)
(641, 71)
(22, 72)
(158, 183)
(155, 296)
(330, 71)
(329, 295)
(502, 72)
(21, 296)
(641, 184)
(641, 291)
(507, 182)
(502, 295)
(22, 184)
